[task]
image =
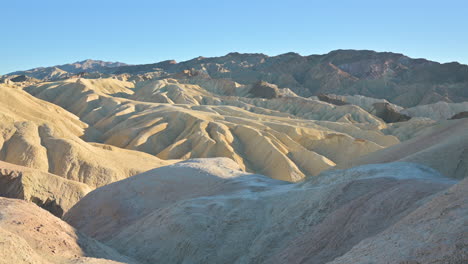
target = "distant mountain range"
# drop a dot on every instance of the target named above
(392, 76)
(66, 70)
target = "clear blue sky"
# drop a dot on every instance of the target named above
(45, 33)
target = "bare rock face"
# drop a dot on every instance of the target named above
(332, 99)
(51, 192)
(388, 113)
(29, 234)
(19, 78)
(460, 115)
(207, 211)
(264, 90)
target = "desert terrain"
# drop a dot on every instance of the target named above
(353, 156)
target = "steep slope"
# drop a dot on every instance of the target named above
(388, 113)
(443, 147)
(51, 192)
(29, 234)
(207, 211)
(434, 233)
(184, 121)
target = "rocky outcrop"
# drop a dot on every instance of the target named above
(460, 115)
(263, 89)
(332, 99)
(19, 78)
(388, 113)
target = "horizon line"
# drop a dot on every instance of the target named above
(234, 52)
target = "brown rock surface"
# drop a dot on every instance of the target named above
(336, 100)
(264, 90)
(29, 234)
(388, 113)
(460, 115)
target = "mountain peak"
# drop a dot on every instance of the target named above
(89, 63)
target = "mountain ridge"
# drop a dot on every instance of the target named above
(234, 53)
(87, 65)
(385, 75)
